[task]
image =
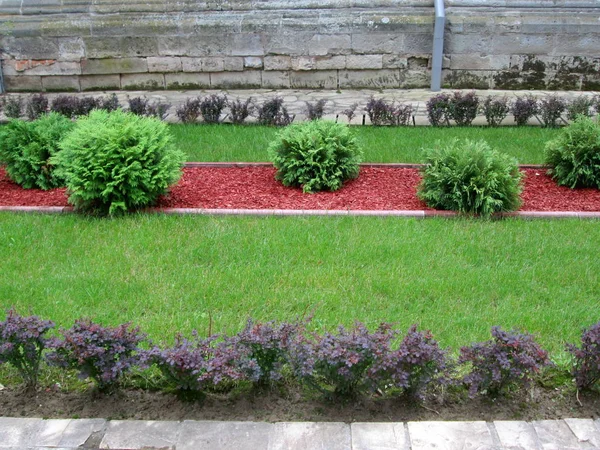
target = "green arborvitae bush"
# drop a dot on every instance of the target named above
(115, 162)
(317, 155)
(26, 149)
(574, 156)
(470, 177)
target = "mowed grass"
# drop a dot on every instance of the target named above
(169, 274)
(380, 144)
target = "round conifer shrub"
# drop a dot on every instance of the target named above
(471, 178)
(27, 147)
(317, 155)
(114, 162)
(574, 155)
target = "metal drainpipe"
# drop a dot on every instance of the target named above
(438, 45)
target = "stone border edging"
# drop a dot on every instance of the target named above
(317, 212)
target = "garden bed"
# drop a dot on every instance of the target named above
(255, 187)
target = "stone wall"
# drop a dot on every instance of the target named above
(86, 45)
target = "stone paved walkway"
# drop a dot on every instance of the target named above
(337, 101)
(67, 434)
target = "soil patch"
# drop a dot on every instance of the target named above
(290, 404)
(377, 188)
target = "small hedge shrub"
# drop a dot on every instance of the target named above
(586, 369)
(27, 148)
(470, 177)
(317, 155)
(574, 156)
(115, 162)
(508, 359)
(22, 342)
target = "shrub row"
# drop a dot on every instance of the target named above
(110, 162)
(342, 364)
(459, 108)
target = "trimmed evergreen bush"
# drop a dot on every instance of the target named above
(470, 177)
(26, 149)
(115, 162)
(317, 155)
(574, 155)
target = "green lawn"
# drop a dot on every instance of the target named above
(168, 274)
(380, 144)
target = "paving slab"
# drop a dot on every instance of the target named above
(451, 436)
(207, 435)
(379, 436)
(310, 436)
(517, 435)
(18, 432)
(134, 435)
(50, 432)
(585, 430)
(556, 435)
(82, 431)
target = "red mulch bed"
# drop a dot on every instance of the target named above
(377, 188)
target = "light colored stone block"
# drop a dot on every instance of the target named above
(236, 80)
(450, 436)
(555, 435)
(517, 435)
(379, 436)
(253, 62)
(50, 432)
(113, 65)
(276, 80)
(13, 67)
(331, 62)
(18, 432)
(187, 81)
(71, 48)
(23, 84)
(394, 62)
(370, 79)
(321, 79)
(164, 64)
(61, 84)
(330, 44)
(213, 64)
(129, 434)
(79, 431)
(278, 62)
(309, 435)
(224, 435)
(142, 81)
(120, 46)
(585, 431)
(364, 62)
(304, 63)
(376, 43)
(191, 64)
(100, 82)
(233, 64)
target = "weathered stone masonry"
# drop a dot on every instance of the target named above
(86, 45)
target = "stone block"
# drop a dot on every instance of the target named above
(369, 79)
(418, 43)
(195, 45)
(331, 62)
(233, 64)
(278, 62)
(187, 81)
(379, 436)
(50, 432)
(31, 48)
(585, 431)
(555, 435)
(320, 79)
(304, 63)
(71, 49)
(61, 84)
(364, 62)
(13, 67)
(224, 435)
(450, 435)
(394, 62)
(120, 47)
(100, 82)
(478, 62)
(470, 44)
(274, 79)
(516, 435)
(79, 431)
(142, 81)
(23, 83)
(18, 432)
(63, 26)
(247, 44)
(249, 79)
(113, 65)
(308, 435)
(191, 64)
(375, 43)
(330, 44)
(129, 434)
(213, 64)
(508, 44)
(289, 44)
(164, 64)
(253, 62)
